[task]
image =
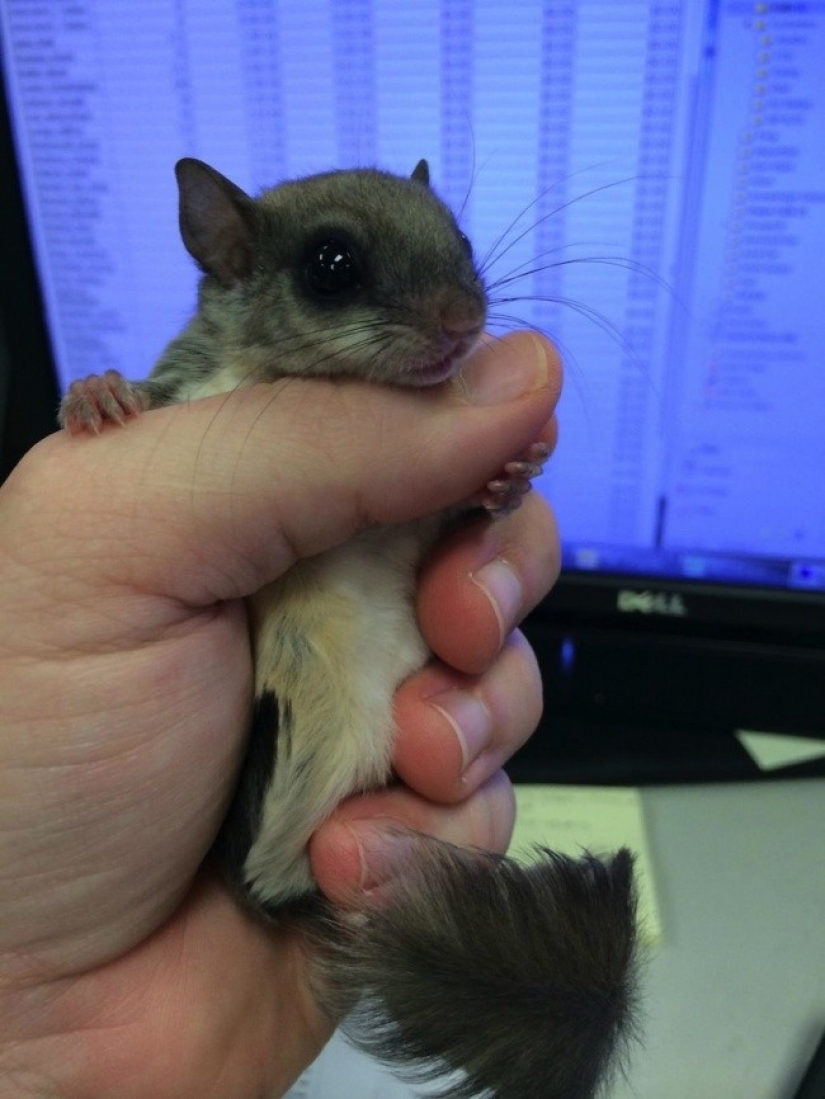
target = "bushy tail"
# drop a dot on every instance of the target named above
(521, 977)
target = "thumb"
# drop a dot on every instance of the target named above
(215, 498)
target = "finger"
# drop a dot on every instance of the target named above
(480, 583)
(234, 488)
(455, 732)
(363, 846)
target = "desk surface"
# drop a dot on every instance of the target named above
(734, 996)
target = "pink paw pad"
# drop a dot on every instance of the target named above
(99, 399)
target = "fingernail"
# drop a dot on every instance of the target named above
(500, 371)
(502, 586)
(383, 851)
(469, 719)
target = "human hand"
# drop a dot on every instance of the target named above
(125, 683)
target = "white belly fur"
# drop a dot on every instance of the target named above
(332, 640)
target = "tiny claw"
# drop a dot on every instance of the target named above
(91, 402)
(500, 498)
(504, 493)
(523, 469)
(498, 487)
(497, 509)
(537, 452)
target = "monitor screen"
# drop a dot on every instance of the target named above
(642, 181)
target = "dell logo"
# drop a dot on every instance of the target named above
(651, 602)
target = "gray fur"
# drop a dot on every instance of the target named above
(528, 988)
(260, 325)
(521, 979)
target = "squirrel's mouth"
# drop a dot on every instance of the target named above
(438, 370)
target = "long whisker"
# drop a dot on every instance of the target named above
(474, 172)
(523, 271)
(594, 317)
(361, 335)
(572, 366)
(494, 257)
(563, 181)
(579, 307)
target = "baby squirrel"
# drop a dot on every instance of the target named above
(521, 978)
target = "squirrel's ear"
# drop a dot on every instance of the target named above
(421, 173)
(217, 221)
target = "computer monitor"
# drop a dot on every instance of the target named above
(644, 183)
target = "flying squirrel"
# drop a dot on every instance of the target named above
(518, 980)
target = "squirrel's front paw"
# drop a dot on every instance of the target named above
(98, 399)
(504, 493)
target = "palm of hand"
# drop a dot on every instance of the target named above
(125, 679)
(158, 974)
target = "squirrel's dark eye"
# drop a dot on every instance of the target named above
(465, 240)
(332, 267)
